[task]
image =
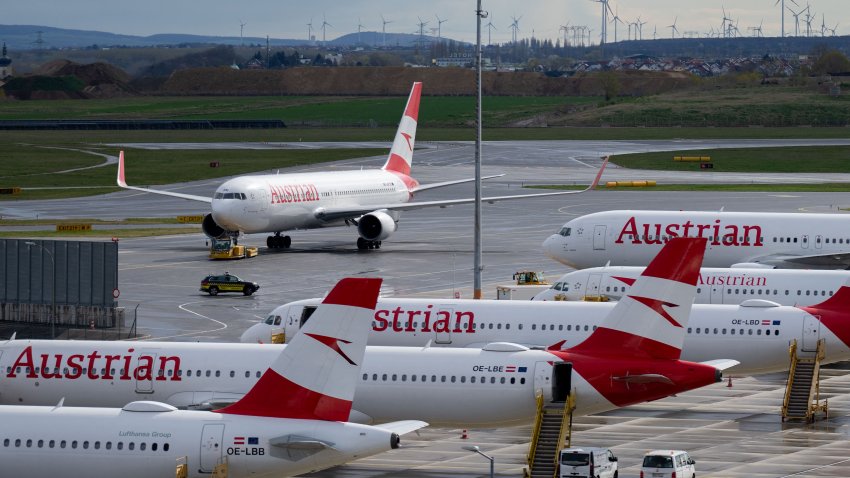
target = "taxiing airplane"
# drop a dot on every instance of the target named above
(754, 239)
(371, 199)
(492, 386)
(756, 332)
(715, 285)
(292, 421)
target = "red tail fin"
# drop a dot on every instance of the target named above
(401, 154)
(315, 375)
(834, 313)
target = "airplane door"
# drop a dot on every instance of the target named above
(716, 294)
(264, 200)
(592, 287)
(804, 242)
(211, 446)
(253, 201)
(599, 237)
(562, 374)
(543, 379)
(811, 333)
(306, 312)
(818, 242)
(145, 385)
(443, 337)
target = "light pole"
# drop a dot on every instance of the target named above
(478, 450)
(52, 286)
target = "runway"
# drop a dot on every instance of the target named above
(730, 432)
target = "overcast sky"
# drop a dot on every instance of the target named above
(288, 19)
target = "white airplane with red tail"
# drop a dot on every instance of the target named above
(490, 386)
(739, 239)
(292, 421)
(371, 199)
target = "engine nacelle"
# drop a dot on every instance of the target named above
(212, 229)
(376, 226)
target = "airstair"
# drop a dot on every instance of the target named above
(551, 433)
(802, 392)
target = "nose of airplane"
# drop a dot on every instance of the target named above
(552, 247)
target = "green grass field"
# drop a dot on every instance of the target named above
(792, 159)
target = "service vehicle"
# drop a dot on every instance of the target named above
(668, 464)
(213, 284)
(587, 462)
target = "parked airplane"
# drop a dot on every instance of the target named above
(715, 285)
(371, 199)
(493, 386)
(632, 238)
(756, 332)
(292, 421)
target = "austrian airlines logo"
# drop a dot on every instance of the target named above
(407, 137)
(658, 307)
(333, 344)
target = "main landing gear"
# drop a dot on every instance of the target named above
(364, 244)
(278, 242)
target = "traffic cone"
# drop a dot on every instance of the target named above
(464, 435)
(729, 385)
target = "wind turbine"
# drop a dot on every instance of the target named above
(673, 29)
(325, 24)
(640, 25)
(359, 28)
(439, 27)
(796, 16)
(833, 29)
(515, 27)
(310, 30)
(614, 20)
(783, 13)
(490, 28)
(421, 31)
(241, 30)
(603, 34)
(384, 28)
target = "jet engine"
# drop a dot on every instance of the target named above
(212, 229)
(375, 226)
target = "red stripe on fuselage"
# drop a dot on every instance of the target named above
(615, 343)
(275, 396)
(600, 373)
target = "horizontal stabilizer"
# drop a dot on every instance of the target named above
(721, 364)
(645, 378)
(123, 183)
(403, 426)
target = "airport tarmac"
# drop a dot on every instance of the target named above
(731, 432)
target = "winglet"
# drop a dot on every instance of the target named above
(599, 174)
(315, 375)
(651, 320)
(400, 159)
(120, 179)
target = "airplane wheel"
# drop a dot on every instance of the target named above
(213, 290)
(362, 244)
(287, 241)
(377, 244)
(270, 242)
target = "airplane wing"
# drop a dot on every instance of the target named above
(425, 187)
(403, 426)
(330, 214)
(808, 261)
(721, 364)
(122, 183)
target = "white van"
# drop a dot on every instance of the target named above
(668, 464)
(587, 463)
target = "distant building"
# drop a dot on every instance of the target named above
(5, 65)
(456, 59)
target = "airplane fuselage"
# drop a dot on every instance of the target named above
(632, 238)
(757, 335)
(444, 386)
(283, 202)
(715, 285)
(141, 444)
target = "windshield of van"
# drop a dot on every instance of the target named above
(655, 461)
(575, 459)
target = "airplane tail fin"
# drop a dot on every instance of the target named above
(401, 154)
(834, 312)
(315, 375)
(651, 320)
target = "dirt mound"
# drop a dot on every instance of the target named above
(100, 80)
(379, 81)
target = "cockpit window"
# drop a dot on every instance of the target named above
(240, 196)
(565, 231)
(270, 320)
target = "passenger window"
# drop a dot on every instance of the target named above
(142, 446)
(153, 447)
(131, 445)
